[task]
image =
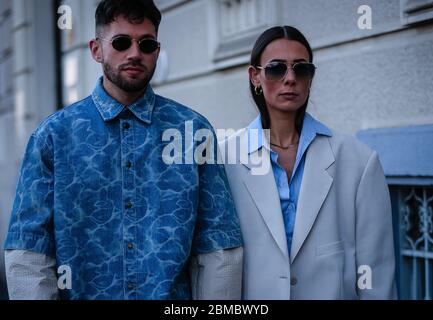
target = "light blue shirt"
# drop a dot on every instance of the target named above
(289, 191)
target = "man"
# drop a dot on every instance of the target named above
(98, 213)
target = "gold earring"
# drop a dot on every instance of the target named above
(258, 90)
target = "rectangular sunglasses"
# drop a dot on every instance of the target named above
(277, 70)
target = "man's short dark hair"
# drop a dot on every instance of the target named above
(135, 11)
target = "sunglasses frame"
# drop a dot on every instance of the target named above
(288, 67)
(132, 40)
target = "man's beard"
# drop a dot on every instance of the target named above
(133, 85)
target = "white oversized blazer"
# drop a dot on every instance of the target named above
(343, 225)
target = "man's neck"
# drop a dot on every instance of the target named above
(121, 96)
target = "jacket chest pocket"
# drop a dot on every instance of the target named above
(330, 248)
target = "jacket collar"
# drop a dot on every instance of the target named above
(310, 129)
(109, 108)
(316, 182)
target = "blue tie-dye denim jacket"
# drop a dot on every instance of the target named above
(95, 193)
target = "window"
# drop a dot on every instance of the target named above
(238, 23)
(406, 156)
(168, 4)
(415, 11)
(413, 211)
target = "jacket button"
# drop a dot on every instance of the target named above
(293, 281)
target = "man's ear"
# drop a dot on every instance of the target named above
(96, 50)
(254, 76)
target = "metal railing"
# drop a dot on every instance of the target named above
(416, 242)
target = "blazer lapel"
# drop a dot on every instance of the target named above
(316, 183)
(263, 190)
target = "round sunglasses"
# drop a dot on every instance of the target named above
(277, 70)
(122, 43)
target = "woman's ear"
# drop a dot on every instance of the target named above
(310, 84)
(254, 76)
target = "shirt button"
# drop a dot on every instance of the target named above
(293, 281)
(130, 286)
(128, 205)
(129, 164)
(130, 246)
(126, 125)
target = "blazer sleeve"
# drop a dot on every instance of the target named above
(30, 275)
(374, 235)
(217, 275)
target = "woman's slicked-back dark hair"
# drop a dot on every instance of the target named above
(274, 33)
(134, 11)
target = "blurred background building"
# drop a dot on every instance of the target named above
(376, 83)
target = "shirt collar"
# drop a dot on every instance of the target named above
(109, 108)
(310, 128)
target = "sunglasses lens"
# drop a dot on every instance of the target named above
(275, 71)
(121, 43)
(304, 70)
(278, 70)
(148, 45)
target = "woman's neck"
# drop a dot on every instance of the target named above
(283, 129)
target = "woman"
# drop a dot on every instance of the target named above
(317, 224)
